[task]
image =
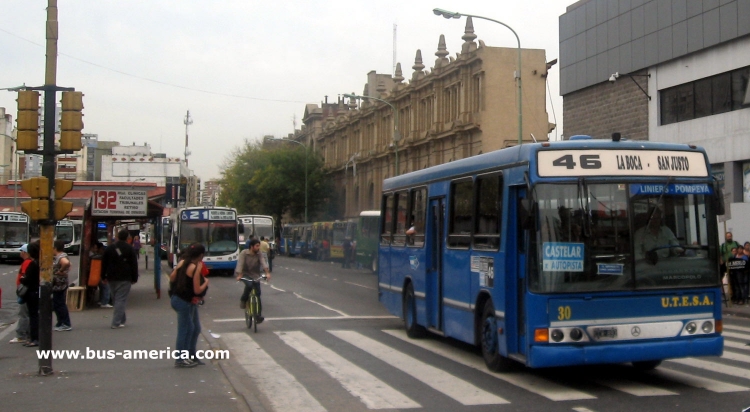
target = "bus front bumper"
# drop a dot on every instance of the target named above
(550, 355)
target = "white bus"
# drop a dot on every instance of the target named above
(69, 231)
(14, 232)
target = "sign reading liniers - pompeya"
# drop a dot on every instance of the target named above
(119, 203)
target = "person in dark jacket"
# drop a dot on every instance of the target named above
(31, 281)
(120, 270)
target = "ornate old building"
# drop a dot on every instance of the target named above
(465, 105)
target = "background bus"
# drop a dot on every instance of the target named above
(166, 234)
(366, 234)
(69, 231)
(295, 239)
(14, 232)
(338, 233)
(216, 228)
(257, 226)
(541, 253)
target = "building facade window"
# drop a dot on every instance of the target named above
(705, 97)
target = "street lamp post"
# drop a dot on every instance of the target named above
(396, 134)
(306, 155)
(456, 15)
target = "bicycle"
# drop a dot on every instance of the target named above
(252, 308)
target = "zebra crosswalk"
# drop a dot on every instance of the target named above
(330, 353)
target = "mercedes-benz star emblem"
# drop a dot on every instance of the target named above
(635, 331)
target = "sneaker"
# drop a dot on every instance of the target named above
(185, 363)
(243, 305)
(31, 344)
(122, 325)
(64, 328)
(106, 306)
(261, 319)
(198, 362)
(57, 328)
(18, 340)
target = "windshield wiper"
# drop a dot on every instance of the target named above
(583, 201)
(661, 197)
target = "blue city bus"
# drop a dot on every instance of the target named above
(559, 253)
(216, 228)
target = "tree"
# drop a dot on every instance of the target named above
(271, 181)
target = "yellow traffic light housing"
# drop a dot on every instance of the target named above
(62, 208)
(28, 120)
(37, 209)
(71, 121)
(36, 187)
(62, 187)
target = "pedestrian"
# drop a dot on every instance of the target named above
(265, 250)
(31, 281)
(60, 275)
(249, 265)
(120, 270)
(353, 254)
(187, 289)
(22, 327)
(97, 250)
(726, 251)
(137, 246)
(347, 245)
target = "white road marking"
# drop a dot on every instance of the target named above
(373, 392)
(320, 304)
(443, 382)
(714, 367)
(531, 383)
(633, 388)
(697, 381)
(362, 286)
(281, 389)
(346, 317)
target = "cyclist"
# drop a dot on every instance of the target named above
(249, 265)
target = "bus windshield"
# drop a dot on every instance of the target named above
(219, 237)
(14, 234)
(619, 236)
(64, 233)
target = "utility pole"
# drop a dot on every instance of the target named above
(188, 121)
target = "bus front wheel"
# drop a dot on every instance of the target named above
(489, 341)
(413, 330)
(646, 365)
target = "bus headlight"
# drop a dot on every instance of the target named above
(557, 335)
(576, 334)
(707, 327)
(691, 327)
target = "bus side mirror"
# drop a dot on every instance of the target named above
(240, 227)
(719, 200)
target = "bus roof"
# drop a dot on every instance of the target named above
(520, 155)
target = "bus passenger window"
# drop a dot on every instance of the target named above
(459, 235)
(399, 236)
(417, 211)
(489, 212)
(387, 213)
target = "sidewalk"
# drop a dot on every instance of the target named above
(117, 384)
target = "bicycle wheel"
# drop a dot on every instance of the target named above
(254, 306)
(248, 316)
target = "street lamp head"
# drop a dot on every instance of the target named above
(351, 96)
(447, 14)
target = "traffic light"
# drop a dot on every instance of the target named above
(28, 120)
(62, 207)
(38, 189)
(71, 121)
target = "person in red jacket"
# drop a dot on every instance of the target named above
(22, 327)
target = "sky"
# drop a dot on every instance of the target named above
(243, 68)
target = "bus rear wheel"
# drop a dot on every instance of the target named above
(409, 306)
(490, 343)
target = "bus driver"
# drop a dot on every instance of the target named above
(655, 236)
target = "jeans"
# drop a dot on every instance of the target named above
(246, 294)
(32, 303)
(188, 325)
(104, 293)
(22, 327)
(120, 291)
(60, 307)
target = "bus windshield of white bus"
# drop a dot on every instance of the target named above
(219, 237)
(14, 234)
(623, 236)
(64, 233)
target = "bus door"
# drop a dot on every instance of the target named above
(435, 243)
(516, 251)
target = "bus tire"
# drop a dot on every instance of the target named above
(489, 341)
(646, 365)
(409, 307)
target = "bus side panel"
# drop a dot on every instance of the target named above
(410, 262)
(390, 293)
(457, 299)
